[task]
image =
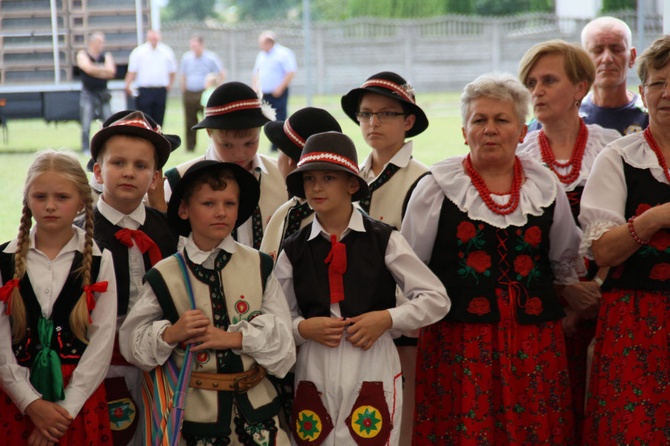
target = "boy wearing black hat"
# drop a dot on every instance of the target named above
(339, 275)
(129, 152)
(233, 118)
(385, 108)
(290, 136)
(241, 330)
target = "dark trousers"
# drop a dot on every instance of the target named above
(152, 102)
(192, 107)
(280, 104)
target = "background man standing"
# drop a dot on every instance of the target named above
(610, 104)
(96, 68)
(152, 66)
(195, 65)
(273, 72)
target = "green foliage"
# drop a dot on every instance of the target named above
(510, 7)
(265, 9)
(190, 10)
(618, 5)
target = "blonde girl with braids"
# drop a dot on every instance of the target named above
(57, 314)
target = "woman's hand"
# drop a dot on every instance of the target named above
(584, 298)
(191, 324)
(367, 328)
(51, 421)
(324, 330)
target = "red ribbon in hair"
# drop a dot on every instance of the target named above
(98, 287)
(143, 242)
(337, 260)
(6, 294)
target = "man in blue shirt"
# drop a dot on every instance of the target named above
(195, 65)
(273, 72)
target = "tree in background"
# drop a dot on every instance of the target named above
(618, 5)
(190, 10)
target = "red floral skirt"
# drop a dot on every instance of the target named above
(89, 428)
(629, 390)
(500, 383)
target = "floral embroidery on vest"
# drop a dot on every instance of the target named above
(473, 260)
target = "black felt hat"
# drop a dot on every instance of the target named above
(233, 106)
(290, 135)
(135, 123)
(327, 151)
(391, 85)
(249, 193)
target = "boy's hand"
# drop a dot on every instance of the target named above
(216, 339)
(191, 324)
(156, 194)
(367, 328)
(324, 330)
(51, 421)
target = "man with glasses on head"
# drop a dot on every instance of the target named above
(385, 108)
(610, 104)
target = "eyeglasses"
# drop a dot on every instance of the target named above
(383, 116)
(657, 85)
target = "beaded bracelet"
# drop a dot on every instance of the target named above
(633, 234)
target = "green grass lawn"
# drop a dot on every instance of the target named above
(442, 139)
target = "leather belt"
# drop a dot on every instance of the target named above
(228, 382)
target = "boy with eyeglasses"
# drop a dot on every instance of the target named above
(386, 110)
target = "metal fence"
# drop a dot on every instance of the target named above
(435, 54)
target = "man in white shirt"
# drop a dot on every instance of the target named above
(151, 67)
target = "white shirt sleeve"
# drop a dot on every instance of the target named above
(284, 273)
(428, 300)
(419, 227)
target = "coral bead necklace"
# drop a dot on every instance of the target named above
(576, 157)
(485, 193)
(657, 150)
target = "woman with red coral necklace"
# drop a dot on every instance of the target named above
(558, 75)
(626, 219)
(496, 228)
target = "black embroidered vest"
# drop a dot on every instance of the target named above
(477, 262)
(649, 267)
(155, 226)
(63, 342)
(368, 285)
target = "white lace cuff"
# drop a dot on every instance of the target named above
(593, 232)
(565, 273)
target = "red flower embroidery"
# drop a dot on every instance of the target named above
(465, 231)
(479, 261)
(534, 306)
(660, 240)
(533, 236)
(642, 208)
(660, 271)
(523, 265)
(479, 306)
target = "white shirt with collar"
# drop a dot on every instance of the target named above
(401, 159)
(427, 298)
(47, 278)
(152, 66)
(141, 340)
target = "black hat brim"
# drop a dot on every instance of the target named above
(351, 100)
(248, 185)
(162, 145)
(274, 130)
(295, 184)
(241, 119)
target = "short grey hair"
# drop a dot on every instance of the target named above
(607, 23)
(502, 86)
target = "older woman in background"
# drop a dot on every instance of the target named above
(559, 75)
(625, 213)
(498, 231)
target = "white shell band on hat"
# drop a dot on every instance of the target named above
(329, 157)
(391, 86)
(292, 135)
(142, 123)
(233, 106)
